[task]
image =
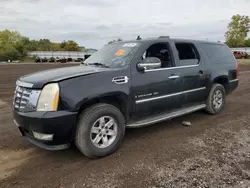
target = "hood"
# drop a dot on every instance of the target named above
(39, 79)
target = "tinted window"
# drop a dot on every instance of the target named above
(161, 51)
(218, 53)
(188, 54)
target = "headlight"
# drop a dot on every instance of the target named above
(48, 100)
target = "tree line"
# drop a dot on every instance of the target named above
(14, 46)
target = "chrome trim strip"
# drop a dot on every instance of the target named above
(235, 80)
(155, 98)
(192, 90)
(168, 116)
(170, 68)
(173, 77)
(169, 95)
(24, 84)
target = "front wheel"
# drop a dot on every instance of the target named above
(216, 99)
(100, 130)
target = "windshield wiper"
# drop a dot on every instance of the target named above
(99, 64)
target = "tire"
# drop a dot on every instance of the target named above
(91, 117)
(210, 107)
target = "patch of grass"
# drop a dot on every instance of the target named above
(28, 60)
(244, 61)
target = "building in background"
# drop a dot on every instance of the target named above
(62, 54)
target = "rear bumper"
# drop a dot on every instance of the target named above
(60, 124)
(233, 84)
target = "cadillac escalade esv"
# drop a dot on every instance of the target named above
(126, 84)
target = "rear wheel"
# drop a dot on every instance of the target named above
(100, 130)
(216, 100)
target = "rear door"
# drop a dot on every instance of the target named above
(194, 77)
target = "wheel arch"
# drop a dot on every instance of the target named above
(223, 80)
(118, 99)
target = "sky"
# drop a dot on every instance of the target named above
(92, 23)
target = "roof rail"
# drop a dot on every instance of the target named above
(163, 37)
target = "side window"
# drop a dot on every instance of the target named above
(161, 51)
(218, 53)
(188, 54)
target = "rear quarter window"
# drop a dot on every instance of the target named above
(218, 54)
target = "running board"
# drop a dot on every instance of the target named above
(166, 116)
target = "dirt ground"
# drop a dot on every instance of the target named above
(213, 152)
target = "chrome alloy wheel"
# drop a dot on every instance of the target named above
(217, 99)
(103, 132)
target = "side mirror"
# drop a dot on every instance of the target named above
(149, 63)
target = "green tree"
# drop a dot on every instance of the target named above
(247, 42)
(112, 41)
(7, 52)
(63, 44)
(71, 46)
(56, 47)
(82, 48)
(12, 45)
(237, 31)
(44, 45)
(22, 46)
(10, 37)
(33, 45)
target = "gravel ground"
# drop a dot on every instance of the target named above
(213, 152)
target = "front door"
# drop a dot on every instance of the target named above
(156, 90)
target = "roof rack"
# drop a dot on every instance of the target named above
(163, 37)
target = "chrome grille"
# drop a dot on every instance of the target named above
(21, 97)
(25, 99)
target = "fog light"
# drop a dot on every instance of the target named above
(41, 136)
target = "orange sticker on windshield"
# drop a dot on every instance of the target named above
(119, 52)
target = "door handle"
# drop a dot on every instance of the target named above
(201, 72)
(173, 77)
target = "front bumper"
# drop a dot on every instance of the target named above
(60, 124)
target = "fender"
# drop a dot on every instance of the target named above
(223, 80)
(222, 77)
(118, 98)
(117, 94)
(79, 91)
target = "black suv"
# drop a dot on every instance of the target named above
(126, 84)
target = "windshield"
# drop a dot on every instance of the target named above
(116, 55)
